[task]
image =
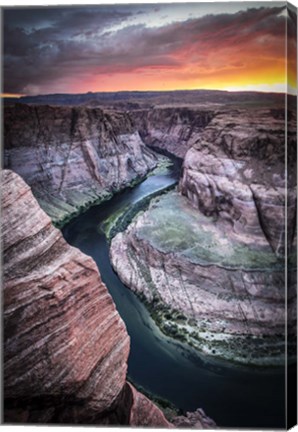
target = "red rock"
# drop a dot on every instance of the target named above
(143, 412)
(236, 172)
(174, 129)
(65, 345)
(73, 156)
(196, 419)
(215, 252)
(63, 337)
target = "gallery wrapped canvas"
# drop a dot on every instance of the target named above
(148, 215)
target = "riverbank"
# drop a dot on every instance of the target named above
(197, 279)
(91, 200)
(120, 220)
(165, 366)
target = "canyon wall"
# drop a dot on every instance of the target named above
(235, 172)
(73, 156)
(210, 260)
(173, 128)
(65, 345)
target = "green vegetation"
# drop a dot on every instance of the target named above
(81, 208)
(120, 220)
(163, 166)
(257, 350)
(173, 226)
(77, 202)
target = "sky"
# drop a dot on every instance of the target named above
(76, 49)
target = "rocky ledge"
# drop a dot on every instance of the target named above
(172, 128)
(73, 156)
(204, 284)
(65, 345)
(210, 260)
(236, 172)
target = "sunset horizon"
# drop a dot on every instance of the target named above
(150, 47)
(236, 90)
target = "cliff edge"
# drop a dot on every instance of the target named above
(209, 260)
(73, 157)
(65, 345)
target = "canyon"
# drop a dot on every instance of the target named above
(73, 157)
(174, 130)
(207, 259)
(65, 345)
(210, 259)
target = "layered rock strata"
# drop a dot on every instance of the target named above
(73, 156)
(236, 173)
(65, 345)
(210, 259)
(173, 129)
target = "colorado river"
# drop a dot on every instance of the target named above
(232, 396)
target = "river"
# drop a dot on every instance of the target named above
(232, 396)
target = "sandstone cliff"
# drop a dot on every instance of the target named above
(235, 172)
(73, 156)
(210, 260)
(65, 345)
(174, 129)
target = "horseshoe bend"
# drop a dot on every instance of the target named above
(196, 206)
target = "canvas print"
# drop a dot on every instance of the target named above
(148, 214)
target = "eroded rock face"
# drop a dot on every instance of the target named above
(142, 412)
(236, 173)
(210, 260)
(65, 345)
(174, 129)
(208, 286)
(73, 156)
(196, 419)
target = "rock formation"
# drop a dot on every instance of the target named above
(236, 173)
(196, 420)
(73, 156)
(174, 129)
(210, 259)
(65, 345)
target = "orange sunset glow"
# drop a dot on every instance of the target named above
(149, 47)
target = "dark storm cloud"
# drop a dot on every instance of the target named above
(39, 40)
(42, 45)
(48, 25)
(59, 18)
